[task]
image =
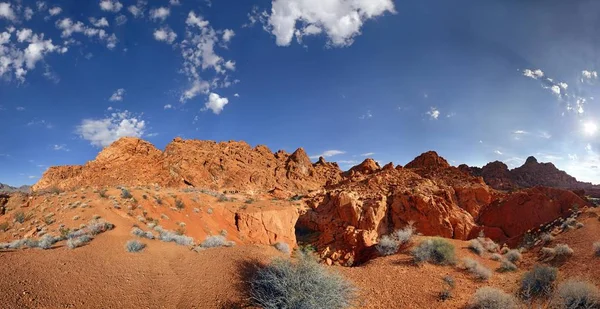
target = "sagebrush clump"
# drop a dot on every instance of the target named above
(513, 255)
(476, 246)
(538, 282)
(305, 284)
(282, 247)
(576, 294)
(560, 252)
(479, 271)
(434, 250)
(216, 241)
(506, 265)
(78, 241)
(170, 236)
(492, 298)
(134, 246)
(136, 231)
(390, 244)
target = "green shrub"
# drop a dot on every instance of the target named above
(134, 246)
(577, 294)
(434, 250)
(538, 282)
(305, 284)
(491, 298)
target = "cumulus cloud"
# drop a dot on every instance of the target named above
(227, 35)
(160, 14)
(102, 132)
(120, 20)
(433, 113)
(7, 12)
(215, 103)
(535, 74)
(367, 115)
(28, 13)
(237, 95)
(174, 2)
(340, 20)
(165, 34)
(585, 74)
(111, 6)
(168, 106)
(117, 95)
(137, 10)
(99, 23)
(230, 65)
(24, 34)
(54, 11)
(328, 153)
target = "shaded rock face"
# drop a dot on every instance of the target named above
(530, 174)
(518, 212)
(205, 164)
(268, 227)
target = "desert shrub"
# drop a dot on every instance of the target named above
(75, 218)
(491, 298)
(209, 211)
(569, 223)
(16, 244)
(125, 193)
(134, 246)
(4, 226)
(563, 250)
(576, 294)
(179, 204)
(102, 193)
(216, 241)
(196, 210)
(96, 228)
(596, 248)
(46, 241)
(305, 284)
(579, 225)
(79, 241)
(546, 238)
(538, 282)
(19, 216)
(507, 265)
(31, 243)
(158, 200)
(513, 255)
(434, 250)
(283, 247)
(489, 244)
(560, 252)
(136, 231)
(446, 293)
(249, 201)
(387, 245)
(169, 236)
(64, 232)
(479, 271)
(404, 235)
(476, 246)
(495, 257)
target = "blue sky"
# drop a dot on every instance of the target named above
(476, 81)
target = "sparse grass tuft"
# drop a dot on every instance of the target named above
(476, 246)
(577, 294)
(125, 193)
(136, 231)
(134, 246)
(390, 244)
(492, 298)
(305, 284)
(283, 247)
(216, 241)
(179, 204)
(495, 257)
(4, 226)
(434, 250)
(538, 282)
(513, 255)
(479, 271)
(79, 241)
(546, 238)
(506, 266)
(19, 216)
(102, 193)
(170, 236)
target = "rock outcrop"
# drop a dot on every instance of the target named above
(268, 226)
(202, 164)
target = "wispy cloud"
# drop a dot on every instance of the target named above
(42, 122)
(368, 154)
(433, 113)
(328, 153)
(367, 115)
(61, 147)
(117, 95)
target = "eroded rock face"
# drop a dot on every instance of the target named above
(268, 227)
(428, 160)
(204, 164)
(518, 212)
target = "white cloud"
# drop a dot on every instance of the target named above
(120, 20)
(168, 106)
(368, 154)
(28, 13)
(20, 108)
(230, 65)
(535, 74)
(174, 2)
(7, 12)
(160, 14)
(111, 6)
(24, 34)
(368, 115)
(572, 156)
(137, 10)
(340, 20)
(589, 74)
(227, 35)
(433, 113)
(555, 89)
(520, 132)
(102, 22)
(117, 95)
(215, 103)
(54, 11)
(198, 86)
(165, 34)
(328, 153)
(62, 147)
(42, 122)
(237, 95)
(498, 152)
(563, 85)
(102, 132)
